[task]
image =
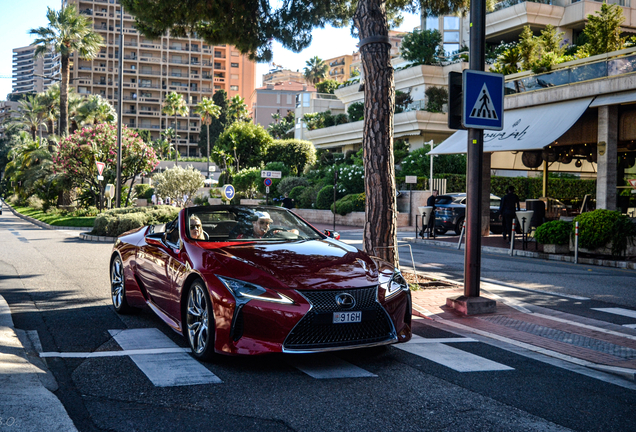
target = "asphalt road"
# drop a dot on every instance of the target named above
(58, 286)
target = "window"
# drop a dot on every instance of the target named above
(432, 23)
(451, 23)
(451, 36)
(235, 65)
(450, 48)
(234, 87)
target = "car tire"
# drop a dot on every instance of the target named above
(118, 287)
(458, 227)
(199, 329)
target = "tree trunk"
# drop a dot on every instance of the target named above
(176, 146)
(207, 175)
(64, 96)
(380, 228)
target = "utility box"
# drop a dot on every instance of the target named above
(538, 207)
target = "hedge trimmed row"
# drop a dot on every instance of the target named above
(118, 221)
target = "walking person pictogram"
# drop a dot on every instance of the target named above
(486, 110)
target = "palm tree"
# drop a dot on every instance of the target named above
(237, 110)
(51, 100)
(68, 32)
(174, 105)
(95, 110)
(31, 114)
(316, 70)
(208, 110)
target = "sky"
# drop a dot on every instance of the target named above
(17, 17)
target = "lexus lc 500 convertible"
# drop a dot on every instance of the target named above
(258, 279)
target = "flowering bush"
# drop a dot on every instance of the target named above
(77, 154)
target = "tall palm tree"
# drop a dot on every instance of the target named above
(208, 110)
(31, 114)
(68, 32)
(51, 100)
(316, 70)
(95, 109)
(237, 110)
(174, 105)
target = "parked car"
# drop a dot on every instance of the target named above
(216, 275)
(451, 212)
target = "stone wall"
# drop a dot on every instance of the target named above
(352, 219)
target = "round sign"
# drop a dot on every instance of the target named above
(228, 191)
(268, 182)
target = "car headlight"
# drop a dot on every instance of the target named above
(394, 284)
(245, 291)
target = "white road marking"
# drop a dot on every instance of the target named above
(168, 370)
(453, 358)
(326, 366)
(420, 339)
(618, 311)
(114, 353)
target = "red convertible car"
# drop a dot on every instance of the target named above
(258, 279)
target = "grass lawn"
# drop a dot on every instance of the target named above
(57, 219)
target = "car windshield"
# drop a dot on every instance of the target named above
(246, 223)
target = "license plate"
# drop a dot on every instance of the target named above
(347, 317)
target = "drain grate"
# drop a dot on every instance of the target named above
(565, 337)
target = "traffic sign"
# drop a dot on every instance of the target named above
(271, 174)
(633, 183)
(228, 191)
(268, 182)
(483, 100)
(100, 167)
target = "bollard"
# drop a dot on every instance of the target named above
(512, 236)
(461, 236)
(576, 243)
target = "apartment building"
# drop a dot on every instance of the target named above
(339, 67)
(277, 98)
(283, 75)
(154, 68)
(29, 72)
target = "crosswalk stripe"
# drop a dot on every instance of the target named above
(327, 366)
(419, 339)
(167, 370)
(453, 358)
(618, 311)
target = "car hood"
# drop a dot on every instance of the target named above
(311, 264)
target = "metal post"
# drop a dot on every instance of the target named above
(410, 204)
(512, 235)
(120, 106)
(335, 188)
(576, 242)
(472, 255)
(431, 177)
(461, 236)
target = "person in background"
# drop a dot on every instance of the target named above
(154, 199)
(288, 203)
(430, 202)
(509, 203)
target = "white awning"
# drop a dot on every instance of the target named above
(524, 128)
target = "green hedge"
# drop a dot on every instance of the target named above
(554, 232)
(115, 222)
(350, 203)
(601, 227)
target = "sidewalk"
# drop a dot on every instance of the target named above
(594, 344)
(27, 401)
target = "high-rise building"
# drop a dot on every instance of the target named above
(29, 73)
(154, 68)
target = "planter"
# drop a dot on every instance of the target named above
(607, 249)
(556, 249)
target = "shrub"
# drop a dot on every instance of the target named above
(115, 222)
(308, 196)
(554, 232)
(144, 191)
(287, 184)
(356, 111)
(296, 192)
(350, 203)
(35, 202)
(600, 227)
(324, 200)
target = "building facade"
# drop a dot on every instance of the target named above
(29, 73)
(339, 67)
(278, 98)
(154, 68)
(282, 75)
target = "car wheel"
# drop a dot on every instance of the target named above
(200, 321)
(118, 287)
(458, 227)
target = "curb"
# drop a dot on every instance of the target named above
(529, 254)
(102, 239)
(43, 224)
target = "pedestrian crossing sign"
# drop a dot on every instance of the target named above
(483, 100)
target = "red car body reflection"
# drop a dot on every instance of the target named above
(296, 290)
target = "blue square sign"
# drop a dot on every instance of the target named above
(483, 100)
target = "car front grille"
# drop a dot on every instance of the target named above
(316, 330)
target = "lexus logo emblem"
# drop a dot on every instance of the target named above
(345, 301)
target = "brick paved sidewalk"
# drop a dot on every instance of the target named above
(581, 340)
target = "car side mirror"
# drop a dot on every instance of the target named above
(332, 234)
